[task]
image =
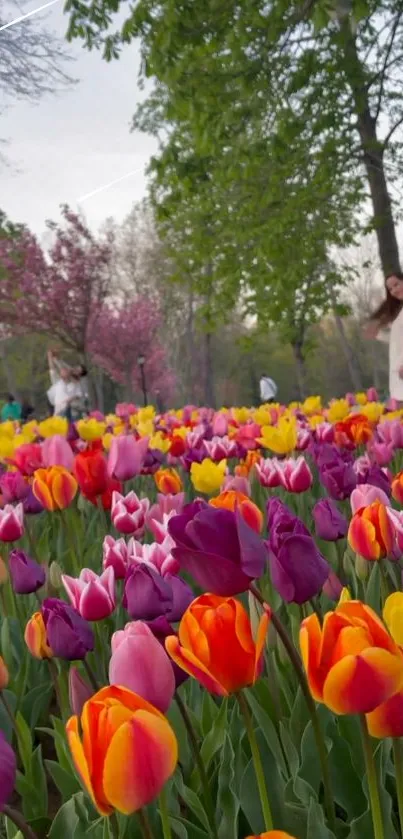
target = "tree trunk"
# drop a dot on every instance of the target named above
(350, 356)
(373, 153)
(209, 388)
(7, 370)
(300, 370)
(191, 348)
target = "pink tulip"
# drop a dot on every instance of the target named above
(391, 431)
(11, 523)
(324, 432)
(92, 596)
(237, 483)
(125, 409)
(98, 415)
(79, 691)
(296, 475)
(382, 453)
(56, 451)
(128, 513)
(269, 472)
(396, 518)
(159, 529)
(140, 663)
(372, 394)
(220, 448)
(220, 425)
(304, 439)
(126, 457)
(115, 555)
(365, 494)
(350, 398)
(392, 405)
(157, 555)
(247, 435)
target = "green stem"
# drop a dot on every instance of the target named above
(145, 824)
(317, 731)
(112, 826)
(372, 780)
(257, 761)
(166, 827)
(19, 822)
(91, 675)
(208, 801)
(384, 582)
(398, 760)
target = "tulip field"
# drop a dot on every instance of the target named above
(201, 623)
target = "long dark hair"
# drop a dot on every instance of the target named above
(389, 309)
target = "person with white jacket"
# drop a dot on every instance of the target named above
(268, 389)
(386, 324)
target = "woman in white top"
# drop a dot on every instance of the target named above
(387, 324)
(63, 387)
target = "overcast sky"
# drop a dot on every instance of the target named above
(69, 145)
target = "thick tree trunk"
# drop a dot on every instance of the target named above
(300, 370)
(373, 154)
(349, 354)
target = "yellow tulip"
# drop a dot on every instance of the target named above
(312, 405)
(107, 441)
(281, 438)
(91, 429)
(181, 432)
(338, 410)
(7, 447)
(315, 420)
(158, 441)
(345, 595)
(361, 398)
(146, 414)
(263, 416)
(393, 616)
(207, 476)
(53, 425)
(241, 414)
(372, 410)
(7, 429)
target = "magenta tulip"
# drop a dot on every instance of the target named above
(79, 691)
(115, 555)
(93, 597)
(11, 523)
(157, 555)
(128, 513)
(126, 457)
(140, 663)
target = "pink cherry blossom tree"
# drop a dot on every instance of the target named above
(126, 332)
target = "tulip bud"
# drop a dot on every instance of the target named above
(55, 575)
(3, 572)
(4, 677)
(79, 691)
(361, 568)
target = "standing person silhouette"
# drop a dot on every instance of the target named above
(386, 324)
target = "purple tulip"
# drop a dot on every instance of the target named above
(371, 473)
(147, 595)
(182, 597)
(298, 569)
(68, 634)
(330, 524)
(218, 548)
(153, 461)
(161, 629)
(8, 769)
(339, 479)
(32, 507)
(26, 574)
(79, 691)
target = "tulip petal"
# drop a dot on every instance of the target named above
(142, 755)
(212, 572)
(356, 609)
(260, 642)
(42, 493)
(193, 666)
(64, 488)
(80, 762)
(387, 719)
(358, 684)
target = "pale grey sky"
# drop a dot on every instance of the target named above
(68, 145)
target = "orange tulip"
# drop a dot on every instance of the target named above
(35, 637)
(168, 481)
(352, 663)
(231, 499)
(215, 644)
(4, 677)
(245, 467)
(356, 429)
(54, 487)
(387, 719)
(397, 487)
(272, 834)
(127, 750)
(371, 532)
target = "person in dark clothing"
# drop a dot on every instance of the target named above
(26, 410)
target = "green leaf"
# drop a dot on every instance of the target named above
(192, 801)
(373, 588)
(35, 703)
(24, 741)
(227, 800)
(316, 822)
(66, 782)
